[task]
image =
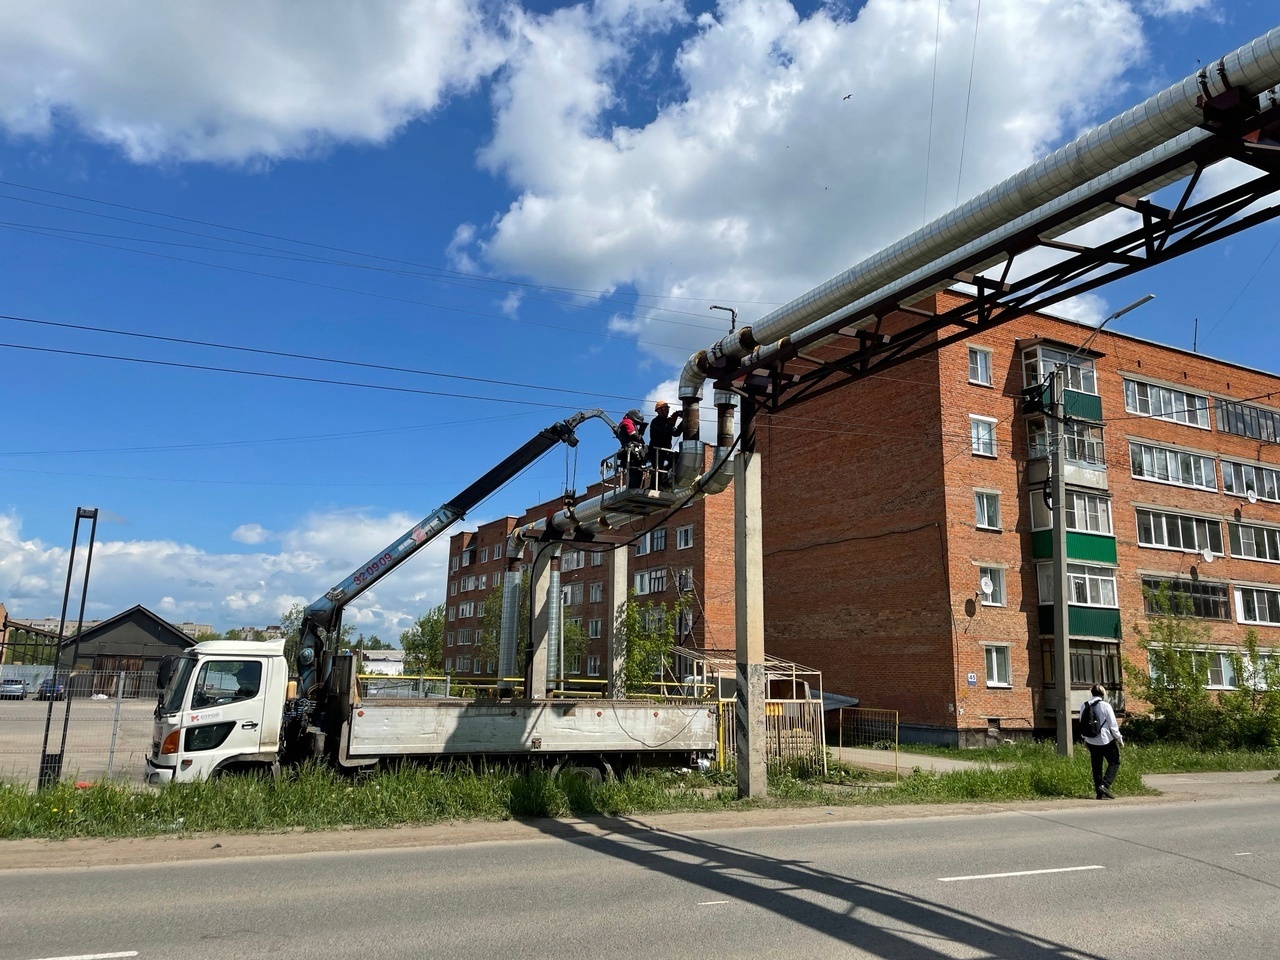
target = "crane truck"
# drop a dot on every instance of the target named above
(231, 706)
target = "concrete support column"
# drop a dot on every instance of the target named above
(619, 591)
(749, 597)
(540, 608)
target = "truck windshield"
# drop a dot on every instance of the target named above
(177, 688)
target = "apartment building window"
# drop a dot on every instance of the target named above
(497, 578)
(1164, 403)
(597, 593)
(593, 665)
(1246, 420)
(448, 664)
(1175, 531)
(448, 639)
(684, 537)
(658, 539)
(1192, 598)
(464, 664)
(489, 666)
(497, 551)
(453, 613)
(597, 557)
(986, 505)
(997, 666)
(1166, 465)
(657, 580)
(467, 609)
(484, 554)
(1082, 443)
(1087, 585)
(642, 545)
(1038, 365)
(464, 638)
(982, 435)
(453, 563)
(453, 588)
(572, 560)
(1254, 543)
(484, 581)
(684, 579)
(1258, 605)
(1241, 478)
(995, 596)
(572, 594)
(574, 622)
(468, 556)
(641, 583)
(593, 629)
(1087, 513)
(1222, 672)
(574, 663)
(980, 366)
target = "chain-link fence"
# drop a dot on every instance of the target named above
(867, 737)
(105, 733)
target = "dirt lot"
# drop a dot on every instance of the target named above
(94, 738)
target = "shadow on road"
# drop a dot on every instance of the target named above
(883, 922)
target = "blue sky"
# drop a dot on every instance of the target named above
(549, 196)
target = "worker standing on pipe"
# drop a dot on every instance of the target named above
(661, 432)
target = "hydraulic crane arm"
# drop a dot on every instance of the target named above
(322, 620)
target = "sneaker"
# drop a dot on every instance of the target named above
(1105, 792)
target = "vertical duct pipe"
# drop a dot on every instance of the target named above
(555, 624)
(508, 638)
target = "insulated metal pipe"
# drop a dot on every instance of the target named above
(1252, 68)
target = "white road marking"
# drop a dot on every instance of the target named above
(1020, 873)
(712, 903)
(96, 956)
(1244, 854)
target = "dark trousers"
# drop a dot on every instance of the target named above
(1109, 752)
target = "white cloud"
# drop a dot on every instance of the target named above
(250, 533)
(183, 582)
(235, 81)
(760, 178)
(1170, 8)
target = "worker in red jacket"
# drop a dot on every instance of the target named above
(631, 457)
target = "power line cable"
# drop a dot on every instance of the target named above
(968, 98)
(933, 98)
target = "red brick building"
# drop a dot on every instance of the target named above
(888, 504)
(690, 553)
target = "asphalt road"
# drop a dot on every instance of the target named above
(1196, 879)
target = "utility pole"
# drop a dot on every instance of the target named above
(749, 722)
(1061, 622)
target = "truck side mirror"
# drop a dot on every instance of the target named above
(164, 672)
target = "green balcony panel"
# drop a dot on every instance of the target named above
(1089, 547)
(1083, 621)
(1083, 406)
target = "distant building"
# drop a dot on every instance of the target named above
(194, 630)
(389, 663)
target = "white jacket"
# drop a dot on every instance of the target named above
(1110, 728)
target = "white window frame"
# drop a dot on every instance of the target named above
(464, 638)
(684, 579)
(977, 441)
(1160, 402)
(597, 557)
(453, 613)
(448, 664)
(684, 537)
(640, 583)
(642, 545)
(1081, 373)
(1256, 590)
(1079, 503)
(497, 550)
(464, 664)
(453, 588)
(982, 504)
(1160, 524)
(1270, 538)
(594, 629)
(448, 639)
(1220, 662)
(593, 665)
(1262, 479)
(484, 554)
(1080, 573)
(997, 597)
(657, 580)
(453, 563)
(980, 354)
(596, 592)
(573, 663)
(996, 655)
(1208, 466)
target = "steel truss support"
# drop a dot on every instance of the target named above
(1161, 234)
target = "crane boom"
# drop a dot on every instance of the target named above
(322, 620)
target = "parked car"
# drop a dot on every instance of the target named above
(11, 688)
(51, 689)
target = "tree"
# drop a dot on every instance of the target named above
(423, 643)
(291, 627)
(490, 630)
(647, 632)
(203, 637)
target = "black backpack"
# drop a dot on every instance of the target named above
(1091, 719)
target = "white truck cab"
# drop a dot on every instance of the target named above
(220, 709)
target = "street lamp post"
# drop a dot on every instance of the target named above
(1058, 492)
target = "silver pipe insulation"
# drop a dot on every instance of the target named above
(555, 619)
(510, 619)
(854, 314)
(1252, 68)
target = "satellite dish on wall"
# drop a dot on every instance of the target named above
(1206, 555)
(987, 585)
(1252, 496)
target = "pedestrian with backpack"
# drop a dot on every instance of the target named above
(1103, 738)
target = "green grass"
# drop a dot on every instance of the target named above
(1150, 758)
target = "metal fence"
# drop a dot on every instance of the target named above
(105, 733)
(793, 735)
(864, 735)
